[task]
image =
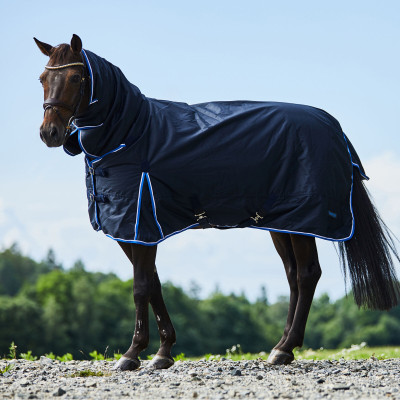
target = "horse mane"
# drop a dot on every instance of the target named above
(60, 54)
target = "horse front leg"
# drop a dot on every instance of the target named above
(143, 260)
(308, 274)
(283, 246)
(163, 358)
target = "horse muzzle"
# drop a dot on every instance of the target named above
(52, 135)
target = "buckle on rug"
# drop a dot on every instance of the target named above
(201, 216)
(257, 218)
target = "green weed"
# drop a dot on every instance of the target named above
(7, 368)
(13, 351)
(28, 356)
(65, 357)
(85, 373)
(99, 357)
(180, 357)
(96, 356)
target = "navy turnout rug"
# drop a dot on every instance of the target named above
(156, 168)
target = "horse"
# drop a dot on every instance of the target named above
(90, 107)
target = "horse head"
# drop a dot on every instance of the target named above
(65, 84)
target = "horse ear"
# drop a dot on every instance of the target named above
(76, 44)
(45, 48)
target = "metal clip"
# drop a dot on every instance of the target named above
(91, 197)
(257, 218)
(201, 216)
(91, 170)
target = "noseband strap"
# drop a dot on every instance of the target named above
(52, 103)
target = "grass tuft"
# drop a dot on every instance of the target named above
(86, 373)
(7, 368)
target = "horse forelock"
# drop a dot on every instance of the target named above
(62, 54)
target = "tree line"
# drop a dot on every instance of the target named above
(46, 308)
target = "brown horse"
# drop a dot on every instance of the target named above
(67, 93)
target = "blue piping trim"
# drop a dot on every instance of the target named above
(91, 77)
(121, 146)
(91, 126)
(81, 144)
(68, 152)
(304, 233)
(153, 204)
(139, 203)
(359, 169)
(97, 158)
(152, 243)
(74, 131)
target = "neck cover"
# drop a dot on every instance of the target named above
(156, 168)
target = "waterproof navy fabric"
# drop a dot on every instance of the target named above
(156, 168)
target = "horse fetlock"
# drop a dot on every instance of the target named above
(139, 343)
(168, 337)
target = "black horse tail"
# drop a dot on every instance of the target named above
(367, 255)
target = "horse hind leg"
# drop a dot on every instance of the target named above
(283, 246)
(308, 274)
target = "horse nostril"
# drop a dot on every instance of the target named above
(53, 132)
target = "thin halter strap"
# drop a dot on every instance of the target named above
(80, 64)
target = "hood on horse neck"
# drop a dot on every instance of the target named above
(116, 112)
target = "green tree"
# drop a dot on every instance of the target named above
(17, 270)
(21, 322)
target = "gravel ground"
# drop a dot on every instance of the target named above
(224, 379)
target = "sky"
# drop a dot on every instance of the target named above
(340, 56)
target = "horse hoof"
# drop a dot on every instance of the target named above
(279, 357)
(127, 364)
(160, 362)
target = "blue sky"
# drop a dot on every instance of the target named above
(340, 56)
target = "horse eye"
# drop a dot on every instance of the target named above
(75, 78)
